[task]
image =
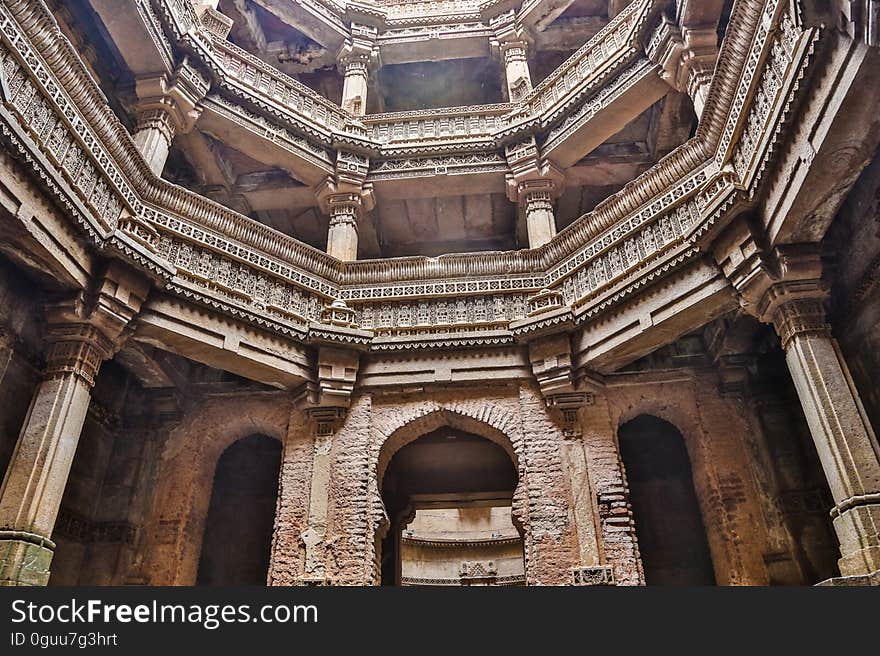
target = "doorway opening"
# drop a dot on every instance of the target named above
(238, 528)
(669, 527)
(448, 496)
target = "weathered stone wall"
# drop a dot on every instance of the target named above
(19, 355)
(102, 506)
(714, 428)
(346, 511)
(853, 242)
(172, 533)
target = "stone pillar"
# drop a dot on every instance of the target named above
(81, 335)
(355, 57)
(516, 69)
(346, 198)
(152, 135)
(342, 234)
(844, 438)
(687, 57)
(354, 86)
(534, 182)
(540, 221)
(167, 105)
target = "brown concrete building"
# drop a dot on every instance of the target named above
(450, 292)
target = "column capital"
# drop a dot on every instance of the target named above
(347, 186)
(359, 52)
(354, 203)
(170, 101)
(339, 345)
(531, 176)
(540, 191)
(686, 56)
(766, 280)
(795, 314)
(89, 328)
(76, 348)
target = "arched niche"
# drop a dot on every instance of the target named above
(669, 527)
(241, 514)
(466, 475)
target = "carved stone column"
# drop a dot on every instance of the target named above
(354, 85)
(342, 233)
(843, 436)
(538, 207)
(516, 69)
(82, 333)
(687, 56)
(784, 287)
(346, 198)
(534, 183)
(166, 105)
(512, 44)
(355, 58)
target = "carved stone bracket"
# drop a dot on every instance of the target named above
(534, 183)
(340, 344)
(531, 172)
(167, 105)
(177, 96)
(546, 332)
(687, 57)
(512, 42)
(84, 331)
(345, 197)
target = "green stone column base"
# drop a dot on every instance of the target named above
(24, 558)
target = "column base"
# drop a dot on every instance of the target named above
(860, 580)
(858, 530)
(24, 558)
